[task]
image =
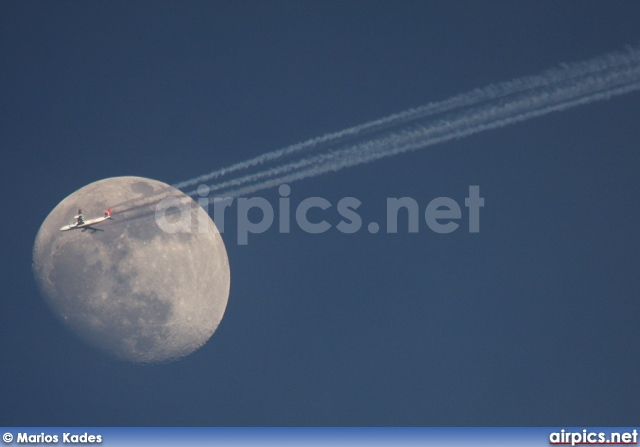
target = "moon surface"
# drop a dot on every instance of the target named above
(151, 287)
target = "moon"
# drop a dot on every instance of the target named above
(152, 286)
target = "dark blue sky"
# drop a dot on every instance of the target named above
(532, 321)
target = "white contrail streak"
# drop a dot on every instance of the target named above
(463, 115)
(464, 100)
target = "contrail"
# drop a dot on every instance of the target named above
(483, 109)
(378, 125)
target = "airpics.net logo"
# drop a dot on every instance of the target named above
(256, 215)
(590, 437)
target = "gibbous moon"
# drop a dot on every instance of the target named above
(152, 286)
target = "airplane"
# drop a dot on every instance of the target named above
(87, 224)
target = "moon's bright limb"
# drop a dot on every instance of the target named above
(133, 290)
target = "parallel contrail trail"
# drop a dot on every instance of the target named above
(492, 107)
